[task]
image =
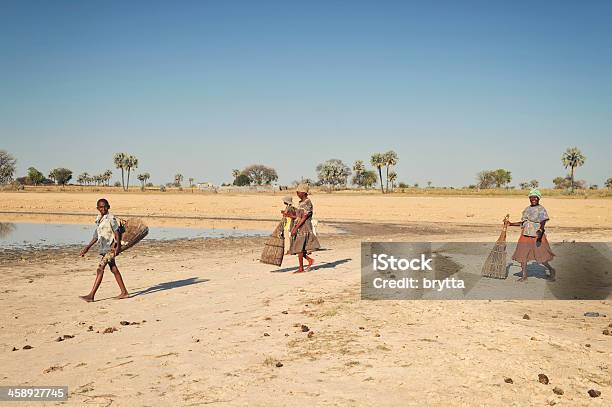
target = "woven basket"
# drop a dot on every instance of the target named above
(274, 248)
(134, 230)
(495, 265)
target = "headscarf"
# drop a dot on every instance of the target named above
(303, 188)
(288, 200)
(535, 192)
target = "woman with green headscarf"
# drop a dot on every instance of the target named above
(533, 245)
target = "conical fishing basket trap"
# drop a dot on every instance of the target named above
(495, 265)
(274, 248)
(133, 231)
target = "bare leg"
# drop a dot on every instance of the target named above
(310, 261)
(524, 268)
(99, 274)
(124, 292)
(301, 261)
(551, 270)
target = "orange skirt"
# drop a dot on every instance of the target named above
(527, 250)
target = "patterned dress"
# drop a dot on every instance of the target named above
(305, 240)
(528, 248)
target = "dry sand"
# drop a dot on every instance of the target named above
(218, 322)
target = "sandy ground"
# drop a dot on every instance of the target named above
(330, 207)
(214, 326)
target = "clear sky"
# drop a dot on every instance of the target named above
(203, 87)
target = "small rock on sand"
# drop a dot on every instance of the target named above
(27, 347)
(109, 330)
(558, 390)
(14, 349)
(305, 328)
(542, 378)
(285, 312)
(508, 380)
(606, 332)
(591, 314)
(279, 364)
(594, 393)
(310, 334)
(526, 316)
(266, 334)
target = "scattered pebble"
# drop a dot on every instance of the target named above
(266, 334)
(377, 335)
(27, 347)
(285, 312)
(310, 334)
(305, 328)
(594, 393)
(542, 378)
(591, 314)
(14, 349)
(52, 369)
(526, 316)
(606, 332)
(109, 330)
(558, 390)
(588, 345)
(362, 327)
(90, 328)
(280, 364)
(124, 323)
(508, 380)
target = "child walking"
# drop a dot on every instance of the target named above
(109, 245)
(289, 214)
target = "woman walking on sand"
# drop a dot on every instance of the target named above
(533, 245)
(303, 240)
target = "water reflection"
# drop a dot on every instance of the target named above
(6, 229)
(40, 235)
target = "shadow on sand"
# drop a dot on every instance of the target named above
(317, 266)
(168, 286)
(533, 270)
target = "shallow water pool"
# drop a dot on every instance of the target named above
(41, 235)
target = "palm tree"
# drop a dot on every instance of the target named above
(392, 178)
(108, 174)
(178, 178)
(119, 160)
(83, 178)
(143, 178)
(130, 162)
(378, 160)
(390, 158)
(572, 158)
(191, 182)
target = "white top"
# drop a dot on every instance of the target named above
(105, 227)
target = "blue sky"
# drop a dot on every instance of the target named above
(203, 87)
